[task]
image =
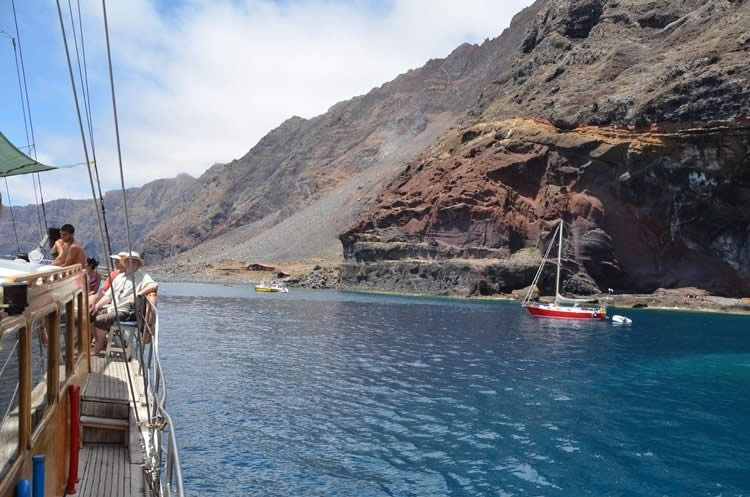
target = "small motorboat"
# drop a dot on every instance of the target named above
(617, 319)
(274, 287)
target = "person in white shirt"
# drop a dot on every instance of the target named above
(103, 312)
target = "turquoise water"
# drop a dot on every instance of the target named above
(338, 394)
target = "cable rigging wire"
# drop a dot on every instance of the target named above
(12, 218)
(31, 123)
(36, 201)
(89, 121)
(105, 244)
(117, 126)
(87, 93)
(29, 146)
(101, 218)
(119, 155)
(84, 86)
(86, 96)
(41, 198)
(87, 99)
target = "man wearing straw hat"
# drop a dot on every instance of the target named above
(103, 312)
(117, 264)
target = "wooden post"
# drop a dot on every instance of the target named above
(84, 340)
(70, 333)
(24, 376)
(53, 355)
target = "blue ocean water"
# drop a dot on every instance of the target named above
(319, 393)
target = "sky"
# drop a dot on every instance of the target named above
(201, 81)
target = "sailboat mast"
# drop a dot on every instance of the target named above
(559, 258)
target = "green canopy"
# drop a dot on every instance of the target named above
(13, 161)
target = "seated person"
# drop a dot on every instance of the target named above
(53, 237)
(103, 312)
(71, 253)
(117, 263)
(92, 275)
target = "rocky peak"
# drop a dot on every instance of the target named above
(628, 119)
(628, 62)
(148, 205)
(302, 160)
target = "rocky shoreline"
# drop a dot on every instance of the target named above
(327, 277)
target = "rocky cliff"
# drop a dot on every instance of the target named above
(627, 118)
(308, 179)
(303, 160)
(148, 205)
(644, 209)
(628, 62)
(638, 138)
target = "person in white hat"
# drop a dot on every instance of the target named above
(117, 263)
(103, 312)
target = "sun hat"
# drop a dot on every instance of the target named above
(119, 256)
(130, 255)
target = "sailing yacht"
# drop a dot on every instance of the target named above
(72, 423)
(562, 307)
(63, 411)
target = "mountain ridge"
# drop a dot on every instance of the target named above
(627, 119)
(300, 161)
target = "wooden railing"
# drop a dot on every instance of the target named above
(43, 279)
(48, 353)
(42, 352)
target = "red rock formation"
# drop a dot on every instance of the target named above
(303, 159)
(645, 209)
(651, 199)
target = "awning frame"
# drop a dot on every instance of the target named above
(14, 162)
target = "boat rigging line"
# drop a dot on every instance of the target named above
(173, 467)
(119, 161)
(83, 76)
(12, 218)
(530, 292)
(31, 143)
(117, 125)
(101, 219)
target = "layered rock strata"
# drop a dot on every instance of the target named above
(644, 209)
(638, 139)
(304, 160)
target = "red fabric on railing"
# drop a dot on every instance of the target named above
(75, 436)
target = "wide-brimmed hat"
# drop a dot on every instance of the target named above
(118, 256)
(131, 255)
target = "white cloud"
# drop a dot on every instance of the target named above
(202, 82)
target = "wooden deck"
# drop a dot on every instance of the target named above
(109, 380)
(106, 470)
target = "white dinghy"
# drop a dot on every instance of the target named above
(617, 319)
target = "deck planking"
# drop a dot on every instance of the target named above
(109, 379)
(106, 470)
